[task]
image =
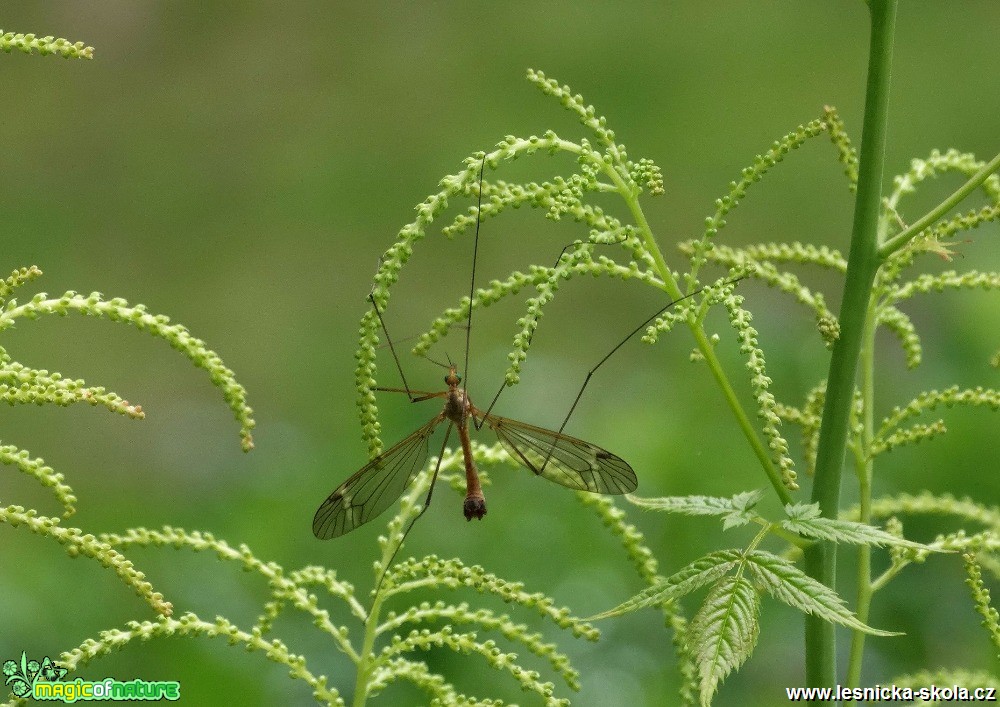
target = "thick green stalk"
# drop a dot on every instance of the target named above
(863, 262)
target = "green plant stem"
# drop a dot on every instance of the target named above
(366, 662)
(366, 657)
(887, 576)
(749, 431)
(863, 464)
(704, 345)
(863, 262)
(670, 286)
(904, 236)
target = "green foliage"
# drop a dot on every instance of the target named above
(728, 617)
(607, 172)
(420, 627)
(20, 384)
(723, 632)
(294, 590)
(78, 543)
(377, 668)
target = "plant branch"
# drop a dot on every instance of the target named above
(908, 233)
(704, 345)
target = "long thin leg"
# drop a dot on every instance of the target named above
(427, 504)
(472, 283)
(621, 343)
(479, 424)
(392, 348)
(600, 363)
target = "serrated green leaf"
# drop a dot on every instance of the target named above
(723, 633)
(695, 575)
(700, 505)
(735, 520)
(747, 500)
(789, 584)
(803, 511)
(848, 531)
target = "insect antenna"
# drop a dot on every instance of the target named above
(438, 363)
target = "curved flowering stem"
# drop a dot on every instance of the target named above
(907, 234)
(30, 43)
(78, 543)
(190, 624)
(159, 325)
(46, 475)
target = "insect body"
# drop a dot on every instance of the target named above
(566, 460)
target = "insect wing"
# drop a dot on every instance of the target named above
(566, 460)
(375, 487)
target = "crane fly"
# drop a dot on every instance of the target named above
(566, 460)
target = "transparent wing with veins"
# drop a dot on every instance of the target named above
(375, 487)
(566, 460)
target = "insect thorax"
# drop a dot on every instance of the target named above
(456, 406)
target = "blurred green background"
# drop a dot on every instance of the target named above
(240, 167)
